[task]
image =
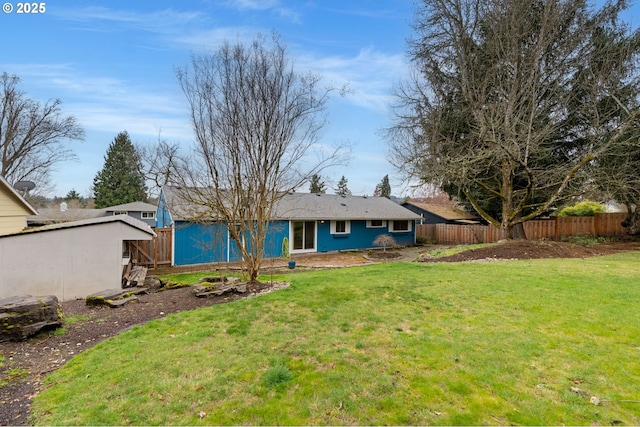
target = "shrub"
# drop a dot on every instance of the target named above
(422, 240)
(385, 240)
(586, 208)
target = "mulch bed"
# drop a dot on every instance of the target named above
(525, 249)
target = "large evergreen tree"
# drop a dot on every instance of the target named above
(121, 179)
(511, 100)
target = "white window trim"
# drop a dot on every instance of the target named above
(302, 251)
(393, 223)
(384, 224)
(120, 213)
(347, 227)
(148, 215)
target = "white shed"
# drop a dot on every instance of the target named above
(69, 260)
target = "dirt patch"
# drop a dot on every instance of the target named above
(524, 249)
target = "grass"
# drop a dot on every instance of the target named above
(12, 375)
(447, 344)
(443, 252)
(69, 321)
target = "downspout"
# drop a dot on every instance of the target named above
(173, 243)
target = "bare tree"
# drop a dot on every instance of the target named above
(159, 162)
(256, 123)
(511, 99)
(32, 135)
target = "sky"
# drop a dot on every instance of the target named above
(112, 64)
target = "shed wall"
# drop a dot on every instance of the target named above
(69, 263)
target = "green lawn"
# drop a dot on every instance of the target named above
(449, 344)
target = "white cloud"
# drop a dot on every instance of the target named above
(370, 75)
(160, 21)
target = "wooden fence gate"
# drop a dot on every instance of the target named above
(152, 253)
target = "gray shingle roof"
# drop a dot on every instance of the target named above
(307, 206)
(334, 207)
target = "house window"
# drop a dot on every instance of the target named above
(398, 226)
(148, 215)
(340, 227)
(121, 213)
(376, 223)
(238, 228)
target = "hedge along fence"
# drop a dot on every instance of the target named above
(556, 228)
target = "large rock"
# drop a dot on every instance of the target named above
(115, 297)
(25, 315)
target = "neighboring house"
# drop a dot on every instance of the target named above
(138, 210)
(69, 260)
(441, 214)
(144, 212)
(48, 216)
(310, 223)
(14, 209)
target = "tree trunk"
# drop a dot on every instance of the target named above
(631, 221)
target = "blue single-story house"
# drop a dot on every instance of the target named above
(310, 223)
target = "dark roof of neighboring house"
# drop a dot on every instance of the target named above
(53, 216)
(135, 223)
(132, 207)
(306, 206)
(449, 213)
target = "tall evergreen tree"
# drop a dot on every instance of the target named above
(383, 189)
(512, 100)
(121, 179)
(342, 189)
(317, 185)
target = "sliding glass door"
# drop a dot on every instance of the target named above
(304, 235)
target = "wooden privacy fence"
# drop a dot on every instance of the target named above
(152, 253)
(600, 225)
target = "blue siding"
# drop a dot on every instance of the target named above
(206, 243)
(360, 237)
(163, 216)
(199, 243)
(278, 230)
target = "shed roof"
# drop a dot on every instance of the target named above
(308, 206)
(135, 223)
